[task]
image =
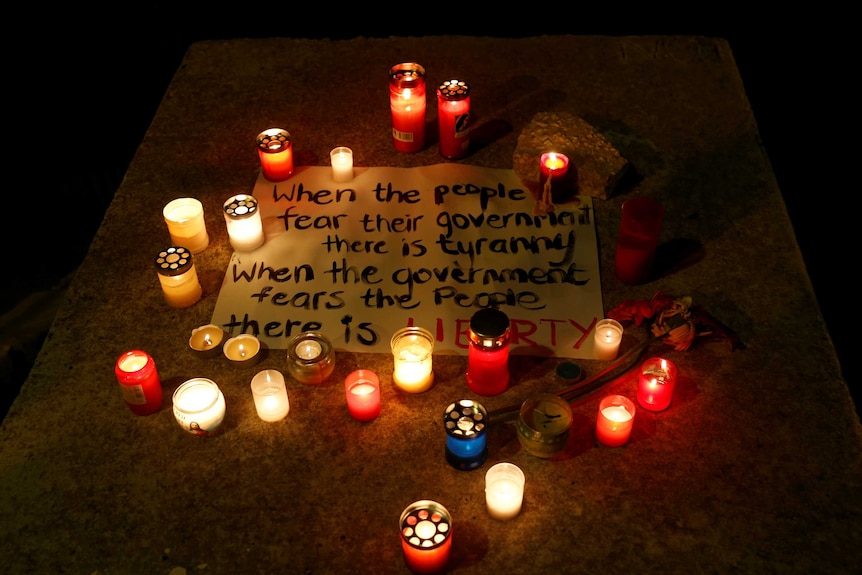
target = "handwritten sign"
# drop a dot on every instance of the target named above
(425, 246)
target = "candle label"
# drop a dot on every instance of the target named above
(133, 394)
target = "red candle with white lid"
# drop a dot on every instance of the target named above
(453, 118)
(139, 382)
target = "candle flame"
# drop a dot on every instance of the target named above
(207, 341)
(241, 350)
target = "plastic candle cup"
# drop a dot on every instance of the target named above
(199, 406)
(178, 277)
(362, 389)
(426, 536)
(554, 176)
(270, 395)
(504, 490)
(544, 424)
(465, 424)
(186, 225)
(244, 226)
(310, 358)
(139, 382)
(615, 420)
(342, 164)
(453, 118)
(488, 354)
(275, 149)
(407, 104)
(655, 384)
(206, 341)
(606, 339)
(412, 349)
(638, 237)
(242, 350)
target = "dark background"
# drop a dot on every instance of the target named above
(83, 97)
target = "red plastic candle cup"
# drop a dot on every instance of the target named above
(453, 118)
(639, 232)
(553, 165)
(275, 149)
(615, 420)
(488, 354)
(655, 384)
(139, 382)
(407, 103)
(362, 388)
(426, 536)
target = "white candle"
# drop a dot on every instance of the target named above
(244, 226)
(270, 395)
(186, 225)
(199, 406)
(342, 164)
(412, 349)
(504, 490)
(607, 338)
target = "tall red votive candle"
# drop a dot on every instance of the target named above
(275, 149)
(488, 354)
(426, 536)
(640, 228)
(139, 382)
(615, 420)
(453, 118)
(656, 383)
(362, 388)
(407, 102)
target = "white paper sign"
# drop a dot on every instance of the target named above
(425, 246)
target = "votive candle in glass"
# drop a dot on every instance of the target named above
(342, 163)
(656, 383)
(310, 358)
(465, 423)
(488, 354)
(270, 395)
(244, 226)
(362, 389)
(275, 149)
(607, 339)
(206, 341)
(504, 490)
(407, 104)
(453, 118)
(178, 277)
(242, 350)
(412, 349)
(615, 420)
(139, 382)
(426, 536)
(544, 424)
(199, 406)
(186, 225)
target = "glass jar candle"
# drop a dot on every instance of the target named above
(407, 104)
(178, 277)
(199, 406)
(465, 424)
(615, 420)
(270, 395)
(139, 382)
(275, 150)
(412, 349)
(453, 118)
(310, 358)
(362, 391)
(186, 225)
(244, 226)
(426, 536)
(655, 384)
(488, 354)
(544, 425)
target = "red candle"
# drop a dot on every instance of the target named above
(276, 154)
(615, 420)
(553, 165)
(656, 383)
(362, 388)
(426, 536)
(640, 228)
(488, 354)
(139, 382)
(407, 102)
(453, 118)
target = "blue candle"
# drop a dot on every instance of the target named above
(465, 425)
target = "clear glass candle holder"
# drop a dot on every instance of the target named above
(310, 358)
(544, 425)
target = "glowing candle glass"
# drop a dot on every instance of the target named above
(412, 349)
(206, 341)
(342, 164)
(178, 277)
(607, 338)
(270, 395)
(488, 354)
(554, 177)
(453, 118)
(244, 226)
(615, 420)
(310, 358)
(640, 228)
(242, 350)
(275, 149)
(199, 406)
(362, 388)
(426, 536)
(504, 490)
(544, 424)
(186, 225)
(407, 103)
(139, 382)
(656, 383)
(465, 424)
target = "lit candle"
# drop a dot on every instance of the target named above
(342, 164)
(139, 382)
(553, 179)
(465, 424)
(407, 103)
(615, 420)
(244, 226)
(607, 338)
(206, 341)
(275, 150)
(453, 118)
(242, 350)
(199, 406)
(186, 225)
(488, 354)
(362, 388)
(553, 165)
(178, 277)
(310, 358)
(656, 383)
(412, 349)
(504, 490)
(270, 395)
(426, 536)
(544, 424)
